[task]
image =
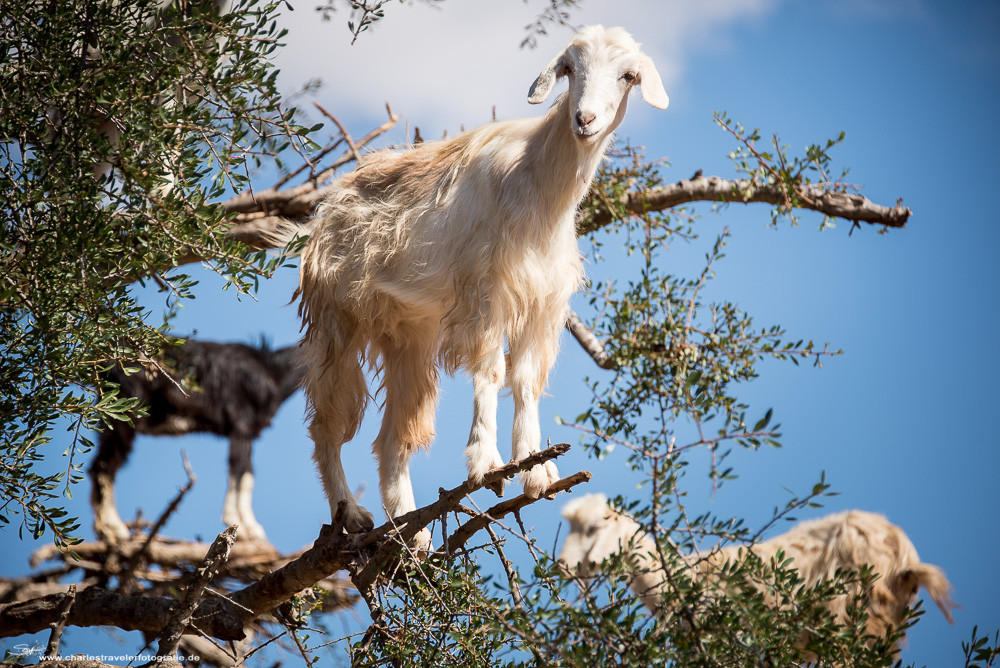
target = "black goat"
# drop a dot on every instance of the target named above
(237, 390)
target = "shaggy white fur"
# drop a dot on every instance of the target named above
(819, 548)
(439, 253)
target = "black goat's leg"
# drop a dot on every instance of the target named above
(238, 506)
(114, 447)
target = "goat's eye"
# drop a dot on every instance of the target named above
(591, 531)
(629, 76)
(567, 70)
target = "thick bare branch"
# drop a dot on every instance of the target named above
(99, 607)
(166, 553)
(297, 203)
(588, 341)
(262, 211)
(848, 206)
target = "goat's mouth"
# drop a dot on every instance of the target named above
(586, 136)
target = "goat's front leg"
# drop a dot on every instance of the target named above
(481, 453)
(531, 357)
(238, 506)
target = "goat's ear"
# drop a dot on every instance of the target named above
(543, 84)
(650, 84)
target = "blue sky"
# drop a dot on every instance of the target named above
(902, 423)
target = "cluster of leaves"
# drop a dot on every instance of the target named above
(123, 123)
(794, 176)
(749, 612)
(675, 353)
(556, 13)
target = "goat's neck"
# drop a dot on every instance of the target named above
(566, 165)
(647, 582)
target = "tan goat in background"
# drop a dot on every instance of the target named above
(818, 548)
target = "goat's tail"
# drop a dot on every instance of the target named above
(286, 233)
(934, 581)
(291, 371)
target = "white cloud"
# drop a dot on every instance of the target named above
(447, 65)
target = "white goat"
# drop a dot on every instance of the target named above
(437, 253)
(847, 540)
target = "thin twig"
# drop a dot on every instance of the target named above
(256, 649)
(52, 649)
(343, 131)
(127, 578)
(214, 560)
(515, 590)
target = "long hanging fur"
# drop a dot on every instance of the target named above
(818, 548)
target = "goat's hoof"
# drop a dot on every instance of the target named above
(358, 519)
(539, 478)
(481, 464)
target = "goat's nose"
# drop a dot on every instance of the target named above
(585, 118)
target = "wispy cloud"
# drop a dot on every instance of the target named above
(447, 65)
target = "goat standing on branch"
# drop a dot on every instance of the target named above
(437, 253)
(239, 390)
(845, 541)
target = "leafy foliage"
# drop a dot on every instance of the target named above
(124, 122)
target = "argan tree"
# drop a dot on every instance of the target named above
(132, 136)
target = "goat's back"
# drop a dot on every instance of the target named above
(848, 541)
(235, 388)
(449, 236)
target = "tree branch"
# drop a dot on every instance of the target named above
(225, 617)
(170, 637)
(95, 606)
(52, 649)
(270, 207)
(849, 206)
(461, 536)
(588, 341)
(165, 553)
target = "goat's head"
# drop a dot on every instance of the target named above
(596, 532)
(602, 67)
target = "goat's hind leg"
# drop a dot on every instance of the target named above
(481, 453)
(411, 384)
(238, 506)
(336, 392)
(113, 449)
